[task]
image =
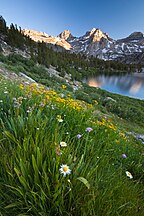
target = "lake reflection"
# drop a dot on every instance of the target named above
(131, 85)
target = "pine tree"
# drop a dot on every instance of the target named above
(3, 27)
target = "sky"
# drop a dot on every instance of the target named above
(118, 18)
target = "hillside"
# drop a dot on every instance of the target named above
(61, 155)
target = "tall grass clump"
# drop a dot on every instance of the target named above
(58, 159)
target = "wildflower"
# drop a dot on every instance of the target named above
(57, 151)
(62, 95)
(95, 101)
(75, 88)
(63, 86)
(5, 92)
(20, 98)
(63, 144)
(27, 83)
(64, 169)
(124, 156)
(29, 109)
(16, 104)
(129, 174)
(21, 86)
(78, 136)
(88, 129)
(1, 101)
(59, 118)
(42, 104)
(67, 133)
(52, 107)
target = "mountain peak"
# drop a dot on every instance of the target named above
(65, 34)
(136, 35)
(93, 30)
(96, 34)
(133, 37)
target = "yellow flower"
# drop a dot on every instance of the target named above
(33, 85)
(21, 86)
(95, 101)
(63, 86)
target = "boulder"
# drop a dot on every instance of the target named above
(139, 137)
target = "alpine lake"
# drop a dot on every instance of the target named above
(128, 84)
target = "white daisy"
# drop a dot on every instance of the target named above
(60, 120)
(65, 170)
(63, 144)
(129, 174)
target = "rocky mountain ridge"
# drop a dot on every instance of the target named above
(43, 37)
(97, 43)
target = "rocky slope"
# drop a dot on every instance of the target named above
(97, 43)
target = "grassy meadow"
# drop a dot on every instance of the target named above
(58, 156)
